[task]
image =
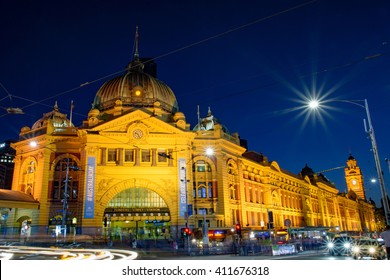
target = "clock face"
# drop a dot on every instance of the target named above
(353, 182)
(138, 134)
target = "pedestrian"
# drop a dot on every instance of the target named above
(235, 249)
(131, 236)
(175, 247)
(386, 237)
(134, 244)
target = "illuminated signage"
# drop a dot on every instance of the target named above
(137, 210)
(182, 188)
(89, 205)
(217, 233)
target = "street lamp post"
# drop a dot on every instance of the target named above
(370, 131)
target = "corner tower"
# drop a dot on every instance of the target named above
(354, 177)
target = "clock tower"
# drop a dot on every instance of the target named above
(354, 177)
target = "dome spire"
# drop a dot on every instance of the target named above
(136, 54)
(136, 65)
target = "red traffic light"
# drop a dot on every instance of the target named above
(238, 229)
(186, 231)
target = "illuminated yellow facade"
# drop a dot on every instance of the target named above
(136, 167)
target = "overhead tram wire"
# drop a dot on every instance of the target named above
(270, 84)
(314, 73)
(237, 28)
(43, 104)
(172, 52)
(58, 94)
(6, 90)
(337, 67)
(203, 41)
(325, 70)
(10, 110)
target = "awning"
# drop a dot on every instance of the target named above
(17, 199)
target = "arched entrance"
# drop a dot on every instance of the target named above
(137, 213)
(25, 227)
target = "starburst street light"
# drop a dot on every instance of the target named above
(209, 151)
(314, 105)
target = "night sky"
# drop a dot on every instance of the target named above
(253, 63)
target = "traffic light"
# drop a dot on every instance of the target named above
(186, 231)
(238, 229)
(105, 221)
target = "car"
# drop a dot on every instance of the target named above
(368, 248)
(340, 245)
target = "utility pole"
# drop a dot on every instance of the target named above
(65, 200)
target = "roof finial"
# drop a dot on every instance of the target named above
(136, 54)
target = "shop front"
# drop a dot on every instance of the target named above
(137, 223)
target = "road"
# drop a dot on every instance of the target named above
(69, 253)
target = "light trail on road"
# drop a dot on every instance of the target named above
(25, 252)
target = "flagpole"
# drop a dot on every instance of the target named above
(198, 118)
(71, 113)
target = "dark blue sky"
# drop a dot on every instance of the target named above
(252, 62)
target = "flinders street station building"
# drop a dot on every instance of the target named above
(135, 166)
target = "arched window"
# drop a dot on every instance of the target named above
(210, 189)
(137, 198)
(202, 192)
(61, 179)
(201, 166)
